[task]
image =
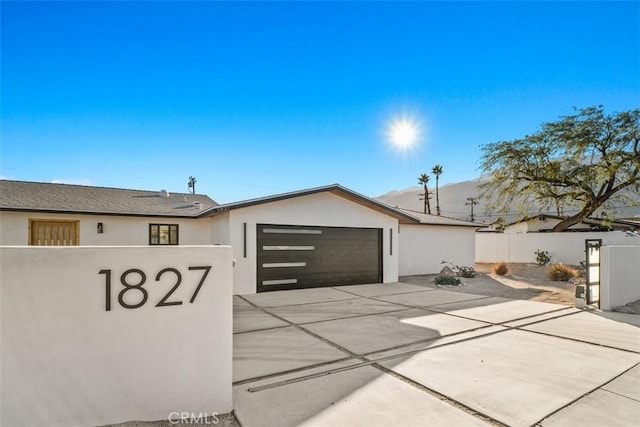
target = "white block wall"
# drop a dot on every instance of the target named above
(424, 247)
(68, 361)
(567, 248)
(620, 275)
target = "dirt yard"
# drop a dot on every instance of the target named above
(524, 281)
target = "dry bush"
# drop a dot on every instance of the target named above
(500, 269)
(561, 273)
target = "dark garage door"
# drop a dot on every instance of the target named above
(292, 257)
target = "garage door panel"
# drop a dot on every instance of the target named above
(317, 279)
(306, 256)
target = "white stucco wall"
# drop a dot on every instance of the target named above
(620, 275)
(220, 231)
(566, 247)
(520, 227)
(118, 230)
(320, 209)
(66, 360)
(536, 224)
(424, 247)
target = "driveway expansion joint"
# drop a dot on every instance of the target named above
(355, 316)
(601, 386)
(384, 295)
(316, 336)
(300, 303)
(428, 340)
(618, 394)
(453, 402)
(289, 371)
(519, 328)
(261, 330)
(365, 362)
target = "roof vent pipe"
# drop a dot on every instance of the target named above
(164, 193)
(197, 205)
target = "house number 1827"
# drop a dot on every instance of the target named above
(133, 281)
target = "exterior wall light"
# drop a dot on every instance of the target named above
(100, 228)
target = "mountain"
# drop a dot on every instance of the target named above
(454, 203)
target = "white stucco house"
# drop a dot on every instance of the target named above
(545, 222)
(323, 236)
(34, 213)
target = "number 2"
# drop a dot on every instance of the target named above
(163, 302)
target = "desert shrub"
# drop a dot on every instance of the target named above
(500, 269)
(447, 280)
(464, 271)
(542, 257)
(561, 273)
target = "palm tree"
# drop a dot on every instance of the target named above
(424, 180)
(437, 171)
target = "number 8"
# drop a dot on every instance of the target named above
(128, 287)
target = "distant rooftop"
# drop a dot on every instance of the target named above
(602, 222)
(67, 198)
(439, 220)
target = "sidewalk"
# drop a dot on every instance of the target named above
(401, 354)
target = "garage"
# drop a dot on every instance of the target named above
(294, 256)
(323, 236)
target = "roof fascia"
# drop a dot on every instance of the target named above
(336, 189)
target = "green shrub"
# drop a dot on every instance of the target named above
(542, 257)
(561, 273)
(447, 280)
(467, 272)
(500, 269)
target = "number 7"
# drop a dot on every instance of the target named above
(206, 269)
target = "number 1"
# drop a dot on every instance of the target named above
(107, 288)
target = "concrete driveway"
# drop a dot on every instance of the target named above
(404, 355)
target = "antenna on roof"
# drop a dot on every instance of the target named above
(192, 184)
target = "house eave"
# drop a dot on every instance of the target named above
(335, 189)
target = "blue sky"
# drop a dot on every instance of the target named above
(261, 98)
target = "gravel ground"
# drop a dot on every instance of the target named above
(524, 281)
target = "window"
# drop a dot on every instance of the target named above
(163, 234)
(48, 232)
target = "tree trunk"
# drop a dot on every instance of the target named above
(568, 222)
(590, 207)
(425, 198)
(437, 197)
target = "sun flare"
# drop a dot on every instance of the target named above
(404, 133)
